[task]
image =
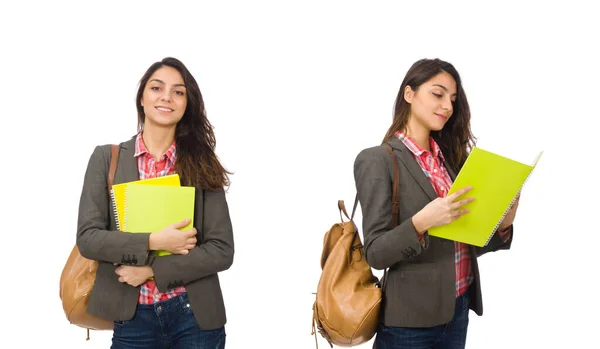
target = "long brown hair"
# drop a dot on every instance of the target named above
(455, 139)
(196, 162)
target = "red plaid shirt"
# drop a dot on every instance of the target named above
(149, 168)
(432, 164)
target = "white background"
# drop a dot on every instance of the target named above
(295, 90)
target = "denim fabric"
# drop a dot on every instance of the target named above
(452, 335)
(166, 324)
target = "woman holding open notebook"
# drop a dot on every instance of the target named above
(431, 282)
(171, 301)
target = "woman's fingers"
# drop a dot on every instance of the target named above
(459, 193)
(459, 213)
(461, 203)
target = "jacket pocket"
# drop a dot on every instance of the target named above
(414, 296)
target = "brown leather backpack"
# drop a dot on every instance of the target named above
(349, 297)
(78, 277)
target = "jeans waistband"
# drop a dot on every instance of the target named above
(177, 301)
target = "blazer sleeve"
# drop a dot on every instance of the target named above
(212, 255)
(384, 246)
(94, 240)
(496, 243)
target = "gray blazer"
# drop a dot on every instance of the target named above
(420, 290)
(98, 239)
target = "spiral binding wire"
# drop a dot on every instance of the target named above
(508, 208)
(114, 207)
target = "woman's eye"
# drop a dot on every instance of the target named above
(155, 88)
(179, 93)
(437, 95)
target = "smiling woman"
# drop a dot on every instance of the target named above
(173, 300)
(170, 105)
(164, 98)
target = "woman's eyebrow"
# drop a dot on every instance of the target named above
(443, 88)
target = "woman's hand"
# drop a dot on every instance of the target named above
(441, 211)
(173, 240)
(510, 215)
(134, 275)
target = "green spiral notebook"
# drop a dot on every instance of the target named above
(150, 208)
(118, 194)
(496, 182)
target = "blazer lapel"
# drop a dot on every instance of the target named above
(413, 167)
(127, 166)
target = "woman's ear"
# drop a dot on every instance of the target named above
(408, 94)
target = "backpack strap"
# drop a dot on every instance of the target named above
(396, 188)
(114, 156)
(342, 208)
(395, 203)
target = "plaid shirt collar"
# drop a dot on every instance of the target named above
(417, 150)
(140, 149)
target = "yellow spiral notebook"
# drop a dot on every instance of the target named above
(496, 182)
(118, 194)
(150, 208)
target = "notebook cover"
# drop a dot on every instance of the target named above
(496, 182)
(150, 208)
(118, 193)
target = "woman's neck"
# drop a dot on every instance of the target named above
(158, 139)
(418, 133)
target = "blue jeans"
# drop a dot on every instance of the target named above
(452, 335)
(166, 324)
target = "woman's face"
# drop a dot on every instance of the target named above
(431, 105)
(164, 98)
